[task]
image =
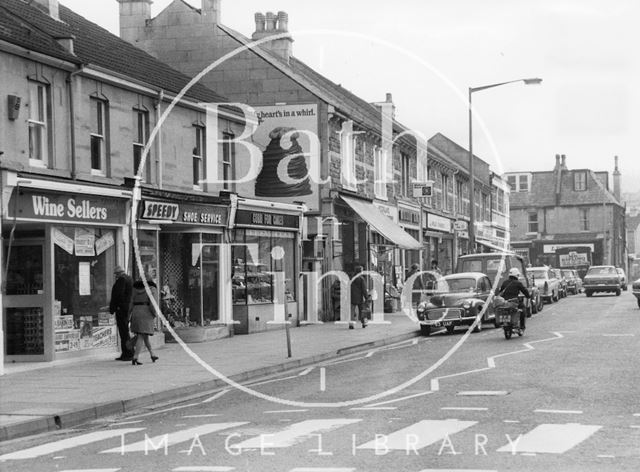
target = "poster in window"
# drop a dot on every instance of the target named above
(86, 332)
(84, 278)
(62, 240)
(84, 242)
(104, 243)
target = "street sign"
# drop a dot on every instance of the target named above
(423, 189)
(460, 225)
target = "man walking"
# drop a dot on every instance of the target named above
(359, 296)
(120, 301)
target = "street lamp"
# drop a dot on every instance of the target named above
(472, 204)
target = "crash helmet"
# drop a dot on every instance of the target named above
(514, 272)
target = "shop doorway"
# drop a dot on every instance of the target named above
(25, 329)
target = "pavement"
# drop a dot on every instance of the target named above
(51, 396)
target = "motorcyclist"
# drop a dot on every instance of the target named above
(511, 288)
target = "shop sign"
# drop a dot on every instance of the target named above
(388, 211)
(44, 205)
(551, 248)
(192, 213)
(261, 218)
(460, 225)
(438, 222)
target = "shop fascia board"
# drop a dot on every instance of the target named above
(13, 181)
(247, 204)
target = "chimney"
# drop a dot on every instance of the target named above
(134, 15)
(563, 163)
(387, 108)
(616, 180)
(270, 25)
(557, 162)
(211, 11)
(50, 7)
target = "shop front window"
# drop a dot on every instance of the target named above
(257, 255)
(84, 260)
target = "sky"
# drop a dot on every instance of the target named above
(427, 53)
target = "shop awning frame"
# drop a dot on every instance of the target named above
(382, 224)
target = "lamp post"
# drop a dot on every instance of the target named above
(472, 204)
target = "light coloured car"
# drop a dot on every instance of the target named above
(574, 282)
(562, 281)
(546, 281)
(623, 278)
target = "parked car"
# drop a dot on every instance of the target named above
(635, 289)
(459, 299)
(623, 278)
(547, 283)
(496, 266)
(601, 279)
(562, 283)
(574, 283)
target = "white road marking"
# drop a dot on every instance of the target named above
(279, 379)
(511, 421)
(551, 438)
(202, 416)
(57, 458)
(560, 412)
(68, 443)
(457, 470)
(465, 408)
(322, 469)
(483, 393)
(606, 456)
(419, 435)
(156, 412)
(635, 426)
(636, 414)
(203, 469)
(284, 411)
(428, 392)
(126, 423)
(619, 335)
(323, 379)
(306, 371)
(365, 408)
(529, 454)
(171, 439)
(294, 434)
(216, 396)
(90, 470)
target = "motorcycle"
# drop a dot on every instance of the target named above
(508, 317)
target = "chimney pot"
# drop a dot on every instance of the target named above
(270, 22)
(259, 17)
(389, 98)
(283, 21)
(564, 161)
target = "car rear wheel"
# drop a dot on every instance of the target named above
(638, 300)
(618, 293)
(555, 297)
(540, 304)
(534, 306)
(588, 293)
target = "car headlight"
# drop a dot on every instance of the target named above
(466, 305)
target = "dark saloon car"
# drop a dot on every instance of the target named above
(459, 298)
(574, 283)
(601, 279)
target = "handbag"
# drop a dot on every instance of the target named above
(131, 342)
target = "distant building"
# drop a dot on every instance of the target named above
(565, 208)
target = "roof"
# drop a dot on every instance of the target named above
(332, 93)
(460, 155)
(28, 26)
(551, 188)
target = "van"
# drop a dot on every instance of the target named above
(496, 265)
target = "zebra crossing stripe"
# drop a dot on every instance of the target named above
(68, 443)
(418, 435)
(294, 434)
(203, 469)
(91, 470)
(550, 438)
(323, 469)
(171, 439)
(457, 470)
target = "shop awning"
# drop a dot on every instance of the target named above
(495, 247)
(382, 224)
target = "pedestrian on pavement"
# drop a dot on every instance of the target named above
(418, 285)
(335, 299)
(142, 318)
(359, 296)
(119, 305)
(434, 267)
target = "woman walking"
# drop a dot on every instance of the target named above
(142, 318)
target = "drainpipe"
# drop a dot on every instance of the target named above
(159, 173)
(72, 120)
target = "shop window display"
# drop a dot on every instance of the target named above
(84, 259)
(256, 256)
